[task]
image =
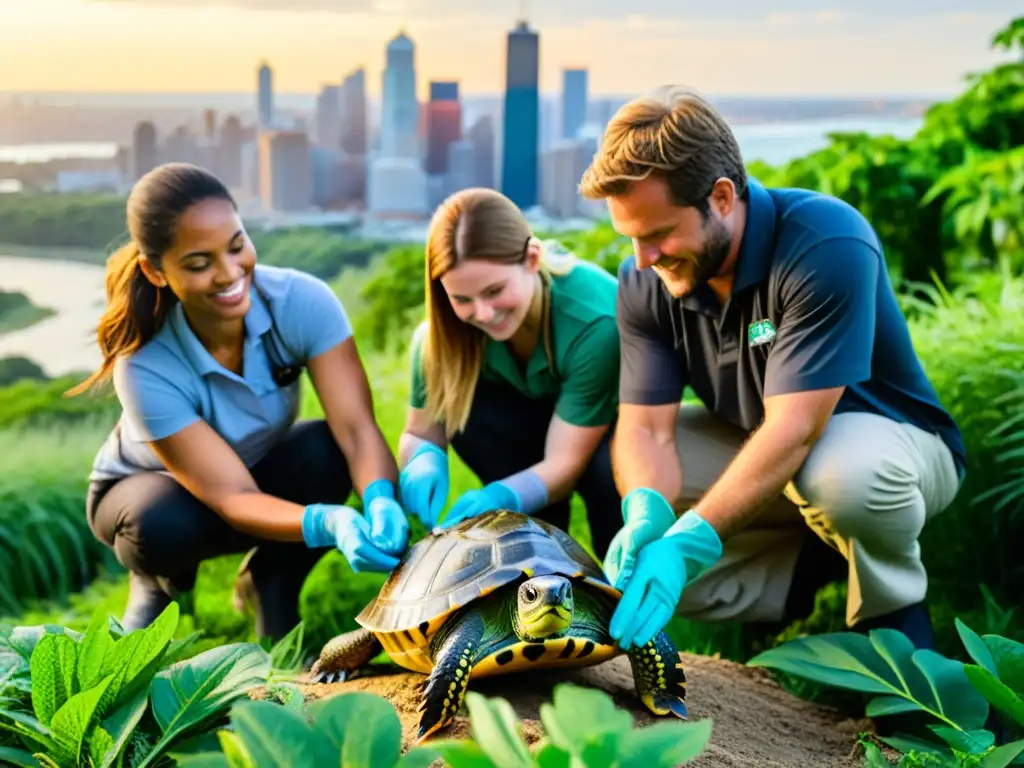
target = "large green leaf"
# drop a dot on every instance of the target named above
(275, 737)
(884, 662)
(193, 691)
(664, 744)
(585, 723)
(18, 757)
(1008, 656)
(975, 646)
(363, 728)
(998, 694)
(48, 690)
(94, 648)
(1002, 756)
(120, 725)
(73, 720)
(497, 729)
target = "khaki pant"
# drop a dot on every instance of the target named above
(867, 488)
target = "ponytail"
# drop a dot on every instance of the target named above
(136, 310)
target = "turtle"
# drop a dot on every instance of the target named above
(497, 593)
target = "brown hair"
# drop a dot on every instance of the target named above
(475, 223)
(136, 309)
(673, 132)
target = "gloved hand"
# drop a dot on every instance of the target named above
(389, 526)
(663, 568)
(423, 483)
(495, 495)
(647, 515)
(325, 525)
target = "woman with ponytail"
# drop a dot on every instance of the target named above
(516, 367)
(205, 349)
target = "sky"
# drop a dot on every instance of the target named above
(741, 47)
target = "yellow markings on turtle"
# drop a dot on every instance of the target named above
(560, 652)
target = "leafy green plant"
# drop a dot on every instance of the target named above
(109, 698)
(583, 728)
(901, 679)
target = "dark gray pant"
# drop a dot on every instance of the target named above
(506, 432)
(161, 532)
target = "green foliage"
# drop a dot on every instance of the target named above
(110, 698)
(361, 730)
(970, 343)
(16, 369)
(17, 312)
(315, 250)
(76, 220)
(47, 550)
(900, 679)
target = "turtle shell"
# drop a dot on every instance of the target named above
(446, 570)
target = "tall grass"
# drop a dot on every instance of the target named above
(47, 549)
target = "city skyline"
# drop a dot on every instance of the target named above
(201, 46)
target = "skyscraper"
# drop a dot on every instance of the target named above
(519, 168)
(400, 110)
(265, 97)
(353, 113)
(574, 101)
(444, 124)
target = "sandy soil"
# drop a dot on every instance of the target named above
(756, 723)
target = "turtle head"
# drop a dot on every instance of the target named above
(544, 607)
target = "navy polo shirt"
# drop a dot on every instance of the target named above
(811, 307)
(172, 381)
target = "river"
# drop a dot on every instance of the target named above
(64, 342)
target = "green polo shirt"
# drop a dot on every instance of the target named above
(585, 341)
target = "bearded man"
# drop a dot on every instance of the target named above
(819, 441)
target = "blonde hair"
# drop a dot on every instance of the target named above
(673, 132)
(136, 309)
(475, 223)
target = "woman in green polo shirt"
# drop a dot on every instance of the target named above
(516, 367)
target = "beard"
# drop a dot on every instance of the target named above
(702, 267)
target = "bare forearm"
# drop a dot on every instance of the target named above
(640, 459)
(261, 515)
(756, 476)
(368, 455)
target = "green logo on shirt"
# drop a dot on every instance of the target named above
(761, 332)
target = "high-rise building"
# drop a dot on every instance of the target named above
(520, 153)
(265, 97)
(328, 117)
(400, 109)
(145, 152)
(481, 136)
(574, 101)
(286, 182)
(444, 124)
(353, 113)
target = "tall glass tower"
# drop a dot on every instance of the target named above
(520, 154)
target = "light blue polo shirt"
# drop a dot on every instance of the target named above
(172, 381)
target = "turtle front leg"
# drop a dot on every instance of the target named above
(445, 688)
(659, 677)
(343, 655)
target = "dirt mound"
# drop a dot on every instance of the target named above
(756, 723)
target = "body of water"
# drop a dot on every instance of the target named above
(64, 342)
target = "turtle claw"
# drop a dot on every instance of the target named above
(331, 677)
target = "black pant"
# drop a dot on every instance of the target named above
(506, 432)
(159, 530)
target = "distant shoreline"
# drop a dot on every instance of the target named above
(55, 253)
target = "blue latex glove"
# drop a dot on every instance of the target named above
(495, 495)
(389, 526)
(647, 516)
(423, 483)
(325, 525)
(663, 568)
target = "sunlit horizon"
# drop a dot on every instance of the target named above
(152, 47)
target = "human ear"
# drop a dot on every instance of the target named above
(723, 197)
(151, 273)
